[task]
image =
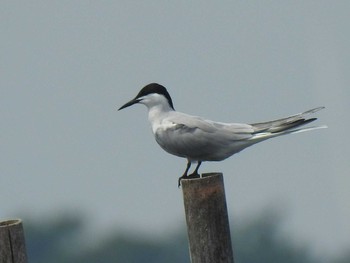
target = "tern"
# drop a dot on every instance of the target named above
(198, 139)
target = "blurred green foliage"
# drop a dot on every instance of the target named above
(258, 240)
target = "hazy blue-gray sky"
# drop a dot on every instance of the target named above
(66, 66)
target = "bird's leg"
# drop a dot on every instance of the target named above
(185, 173)
(195, 173)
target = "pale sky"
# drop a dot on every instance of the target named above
(66, 66)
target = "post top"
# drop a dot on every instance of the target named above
(10, 222)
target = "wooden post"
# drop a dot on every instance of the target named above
(12, 245)
(207, 219)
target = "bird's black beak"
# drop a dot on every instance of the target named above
(132, 102)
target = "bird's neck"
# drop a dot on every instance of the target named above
(156, 115)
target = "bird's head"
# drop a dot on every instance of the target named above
(151, 95)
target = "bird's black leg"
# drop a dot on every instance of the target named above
(195, 173)
(185, 173)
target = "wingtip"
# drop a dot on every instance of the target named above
(315, 109)
(320, 108)
(312, 110)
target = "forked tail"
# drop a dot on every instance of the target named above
(288, 125)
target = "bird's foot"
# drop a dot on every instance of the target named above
(180, 178)
(191, 176)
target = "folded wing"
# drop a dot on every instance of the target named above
(199, 139)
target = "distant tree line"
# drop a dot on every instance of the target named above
(256, 241)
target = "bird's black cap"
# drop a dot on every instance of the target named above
(149, 89)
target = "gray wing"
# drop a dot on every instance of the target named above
(199, 139)
(235, 131)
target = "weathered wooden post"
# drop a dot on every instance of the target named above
(12, 245)
(207, 219)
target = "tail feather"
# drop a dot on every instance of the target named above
(291, 125)
(267, 135)
(305, 129)
(285, 123)
(288, 125)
